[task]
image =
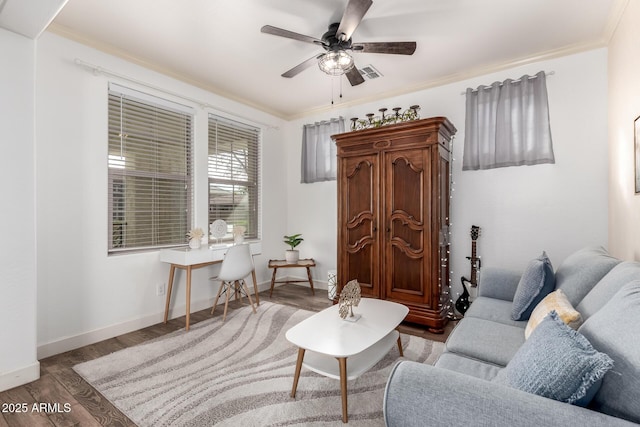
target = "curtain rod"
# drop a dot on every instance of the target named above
(550, 73)
(97, 70)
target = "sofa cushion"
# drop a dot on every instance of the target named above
(495, 310)
(555, 362)
(608, 286)
(580, 272)
(467, 366)
(485, 340)
(556, 301)
(498, 283)
(536, 282)
(614, 330)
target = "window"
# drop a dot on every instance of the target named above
(507, 124)
(233, 167)
(149, 162)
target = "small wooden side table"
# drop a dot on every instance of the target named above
(302, 263)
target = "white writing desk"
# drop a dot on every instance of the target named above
(190, 259)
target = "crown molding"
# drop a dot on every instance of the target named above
(458, 77)
(617, 11)
(612, 23)
(67, 33)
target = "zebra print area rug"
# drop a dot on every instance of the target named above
(238, 373)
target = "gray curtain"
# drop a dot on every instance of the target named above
(319, 161)
(507, 124)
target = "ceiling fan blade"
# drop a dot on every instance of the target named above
(354, 76)
(351, 18)
(302, 66)
(396, 48)
(269, 29)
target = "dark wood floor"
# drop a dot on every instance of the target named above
(76, 403)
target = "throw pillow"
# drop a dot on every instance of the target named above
(556, 362)
(557, 301)
(536, 282)
(614, 330)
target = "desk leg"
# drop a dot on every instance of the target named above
(188, 297)
(296, 376)
(342, 361)
(310, 280)
(273, 280)
(172, 272)
(400, 344)
(255, 287)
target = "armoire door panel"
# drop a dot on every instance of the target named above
(406, 178)
(359, 207)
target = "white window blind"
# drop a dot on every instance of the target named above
(150, 172)
(233, 167)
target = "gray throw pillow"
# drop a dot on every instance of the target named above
(556, 362)
(536, 282)
(614, 330)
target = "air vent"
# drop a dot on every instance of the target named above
(369, 72)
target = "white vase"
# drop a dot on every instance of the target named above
(332, 283)
(194, 243)
(292, 257)
(238, 239)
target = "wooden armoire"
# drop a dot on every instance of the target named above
(393, 215)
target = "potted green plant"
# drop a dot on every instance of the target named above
(292, 255)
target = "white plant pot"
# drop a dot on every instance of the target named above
(292, 256)
(194, 243)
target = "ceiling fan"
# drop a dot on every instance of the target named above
(337, 44)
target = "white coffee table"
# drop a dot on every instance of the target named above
(325, 341)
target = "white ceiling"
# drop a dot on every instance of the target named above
(217, 44)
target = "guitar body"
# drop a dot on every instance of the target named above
(462, 303)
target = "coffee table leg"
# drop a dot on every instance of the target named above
(296, 376)
(400, 344)
(342, 361)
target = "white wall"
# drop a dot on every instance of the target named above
(18, 362)
(624, 107)
(521, 210)
(84, 294)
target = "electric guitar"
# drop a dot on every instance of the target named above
(462, 303)
(475, 261)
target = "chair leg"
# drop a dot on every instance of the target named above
(226, 304)
(215, 303)
(244, 285)
(238, 288)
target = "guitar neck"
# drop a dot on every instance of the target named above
(474, 264)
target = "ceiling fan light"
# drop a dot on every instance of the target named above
(335, 63)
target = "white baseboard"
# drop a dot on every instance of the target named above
(70, 343)
(20, 376)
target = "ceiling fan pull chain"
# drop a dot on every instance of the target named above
(332, 80)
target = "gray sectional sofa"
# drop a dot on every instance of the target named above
(459, 389)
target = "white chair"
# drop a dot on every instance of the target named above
(236, 266)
